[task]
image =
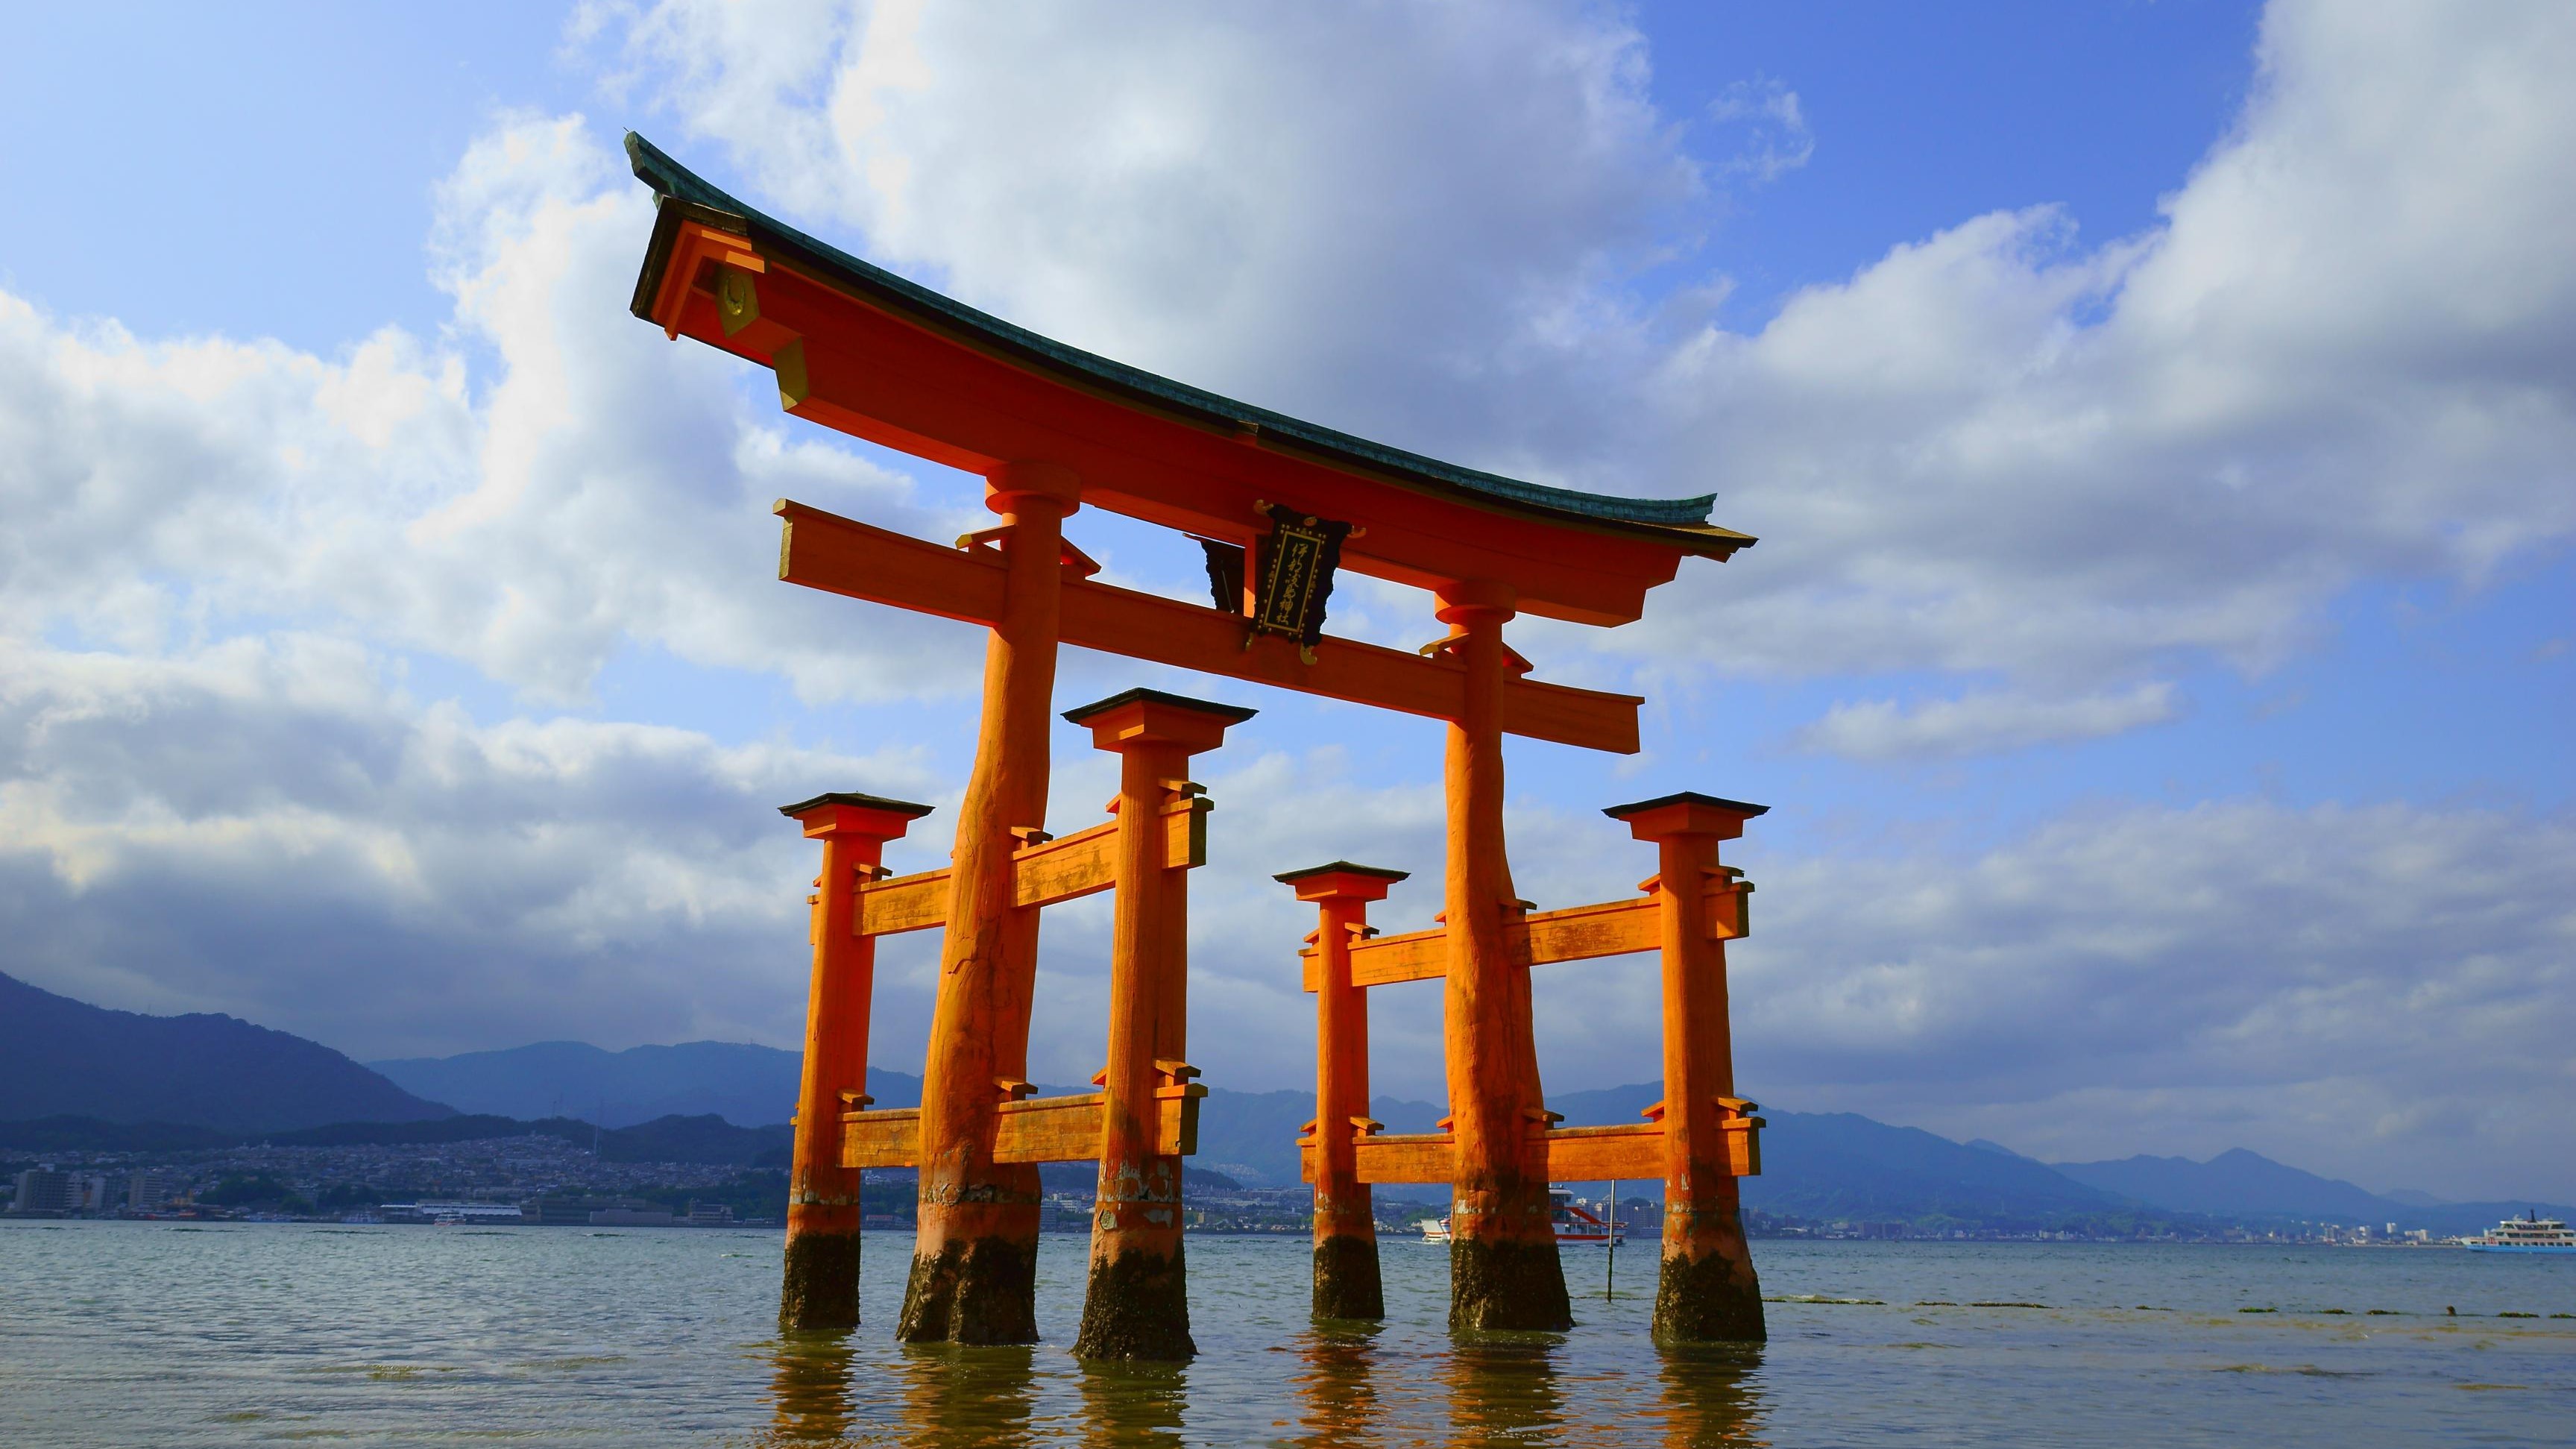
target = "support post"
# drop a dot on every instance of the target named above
(974, 1263)
(821, 1286)
(1346, 1268)
(1706, 1291)
(1503, 1266)
(1137, 1305)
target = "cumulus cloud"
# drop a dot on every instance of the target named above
(2346, 353)
(272, 828)
(1411, 221)
(592, 489)
(1978, 724)
(2349, 988)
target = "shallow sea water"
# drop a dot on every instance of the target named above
(169, 1334)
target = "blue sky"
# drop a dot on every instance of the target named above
(2156, 416)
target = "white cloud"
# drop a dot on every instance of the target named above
(2346, 354)
(1768, 128)
(1979, 724)
(266, 827)
(599, 488)
(2371, 992)
(1406, 220)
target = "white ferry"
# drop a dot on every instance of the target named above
(2530, 1233)
(1573, 1224)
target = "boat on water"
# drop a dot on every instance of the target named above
(2530, 1233)
(1574, 1224)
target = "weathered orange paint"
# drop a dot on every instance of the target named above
(975, 1258)
(1137, 1306)
(1708, 1289)
(821, 1285)
(1347, 1283)
(1503, 1269)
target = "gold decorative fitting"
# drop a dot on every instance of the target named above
(737, 299)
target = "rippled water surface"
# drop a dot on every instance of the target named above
(148, 1333)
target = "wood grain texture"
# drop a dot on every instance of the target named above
(1577, 933)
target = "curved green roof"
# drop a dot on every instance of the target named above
(672, 181)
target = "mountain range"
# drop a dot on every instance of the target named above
(74, 1075)
(59, 1056)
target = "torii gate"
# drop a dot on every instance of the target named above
(1278, 504)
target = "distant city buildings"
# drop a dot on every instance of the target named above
(42, 1190)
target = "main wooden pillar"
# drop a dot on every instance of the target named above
(1707, 1291)
(1503, 1269)
(974, 1264)
(1137, 1305)
(821, 1286)
(1346, 1269)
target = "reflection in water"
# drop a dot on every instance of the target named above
(968, 1394)
(811, 1384)
(1133, 1403)
(1711, 1396)
(1335, 1388)
(1502, 1389)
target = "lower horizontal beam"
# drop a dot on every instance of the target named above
(1567, 1154)
(1577, 933)
(1038, 1129)
(1063, 869)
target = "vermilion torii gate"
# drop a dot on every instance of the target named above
(1279, 504)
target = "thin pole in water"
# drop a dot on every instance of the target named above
(1610, 1269)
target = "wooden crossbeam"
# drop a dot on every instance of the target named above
(843, 556)
(1568, 1154)
(1066, 868)
(1577, 933)
(1038, 1129)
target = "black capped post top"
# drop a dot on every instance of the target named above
(1686, 797)
(1230, 713)
(869, 802)
(1378, 872)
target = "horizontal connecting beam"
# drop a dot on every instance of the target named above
(1577, 933)
(1566, 1154)
(843, 556)
(1064, 869)
(1039, 1129)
